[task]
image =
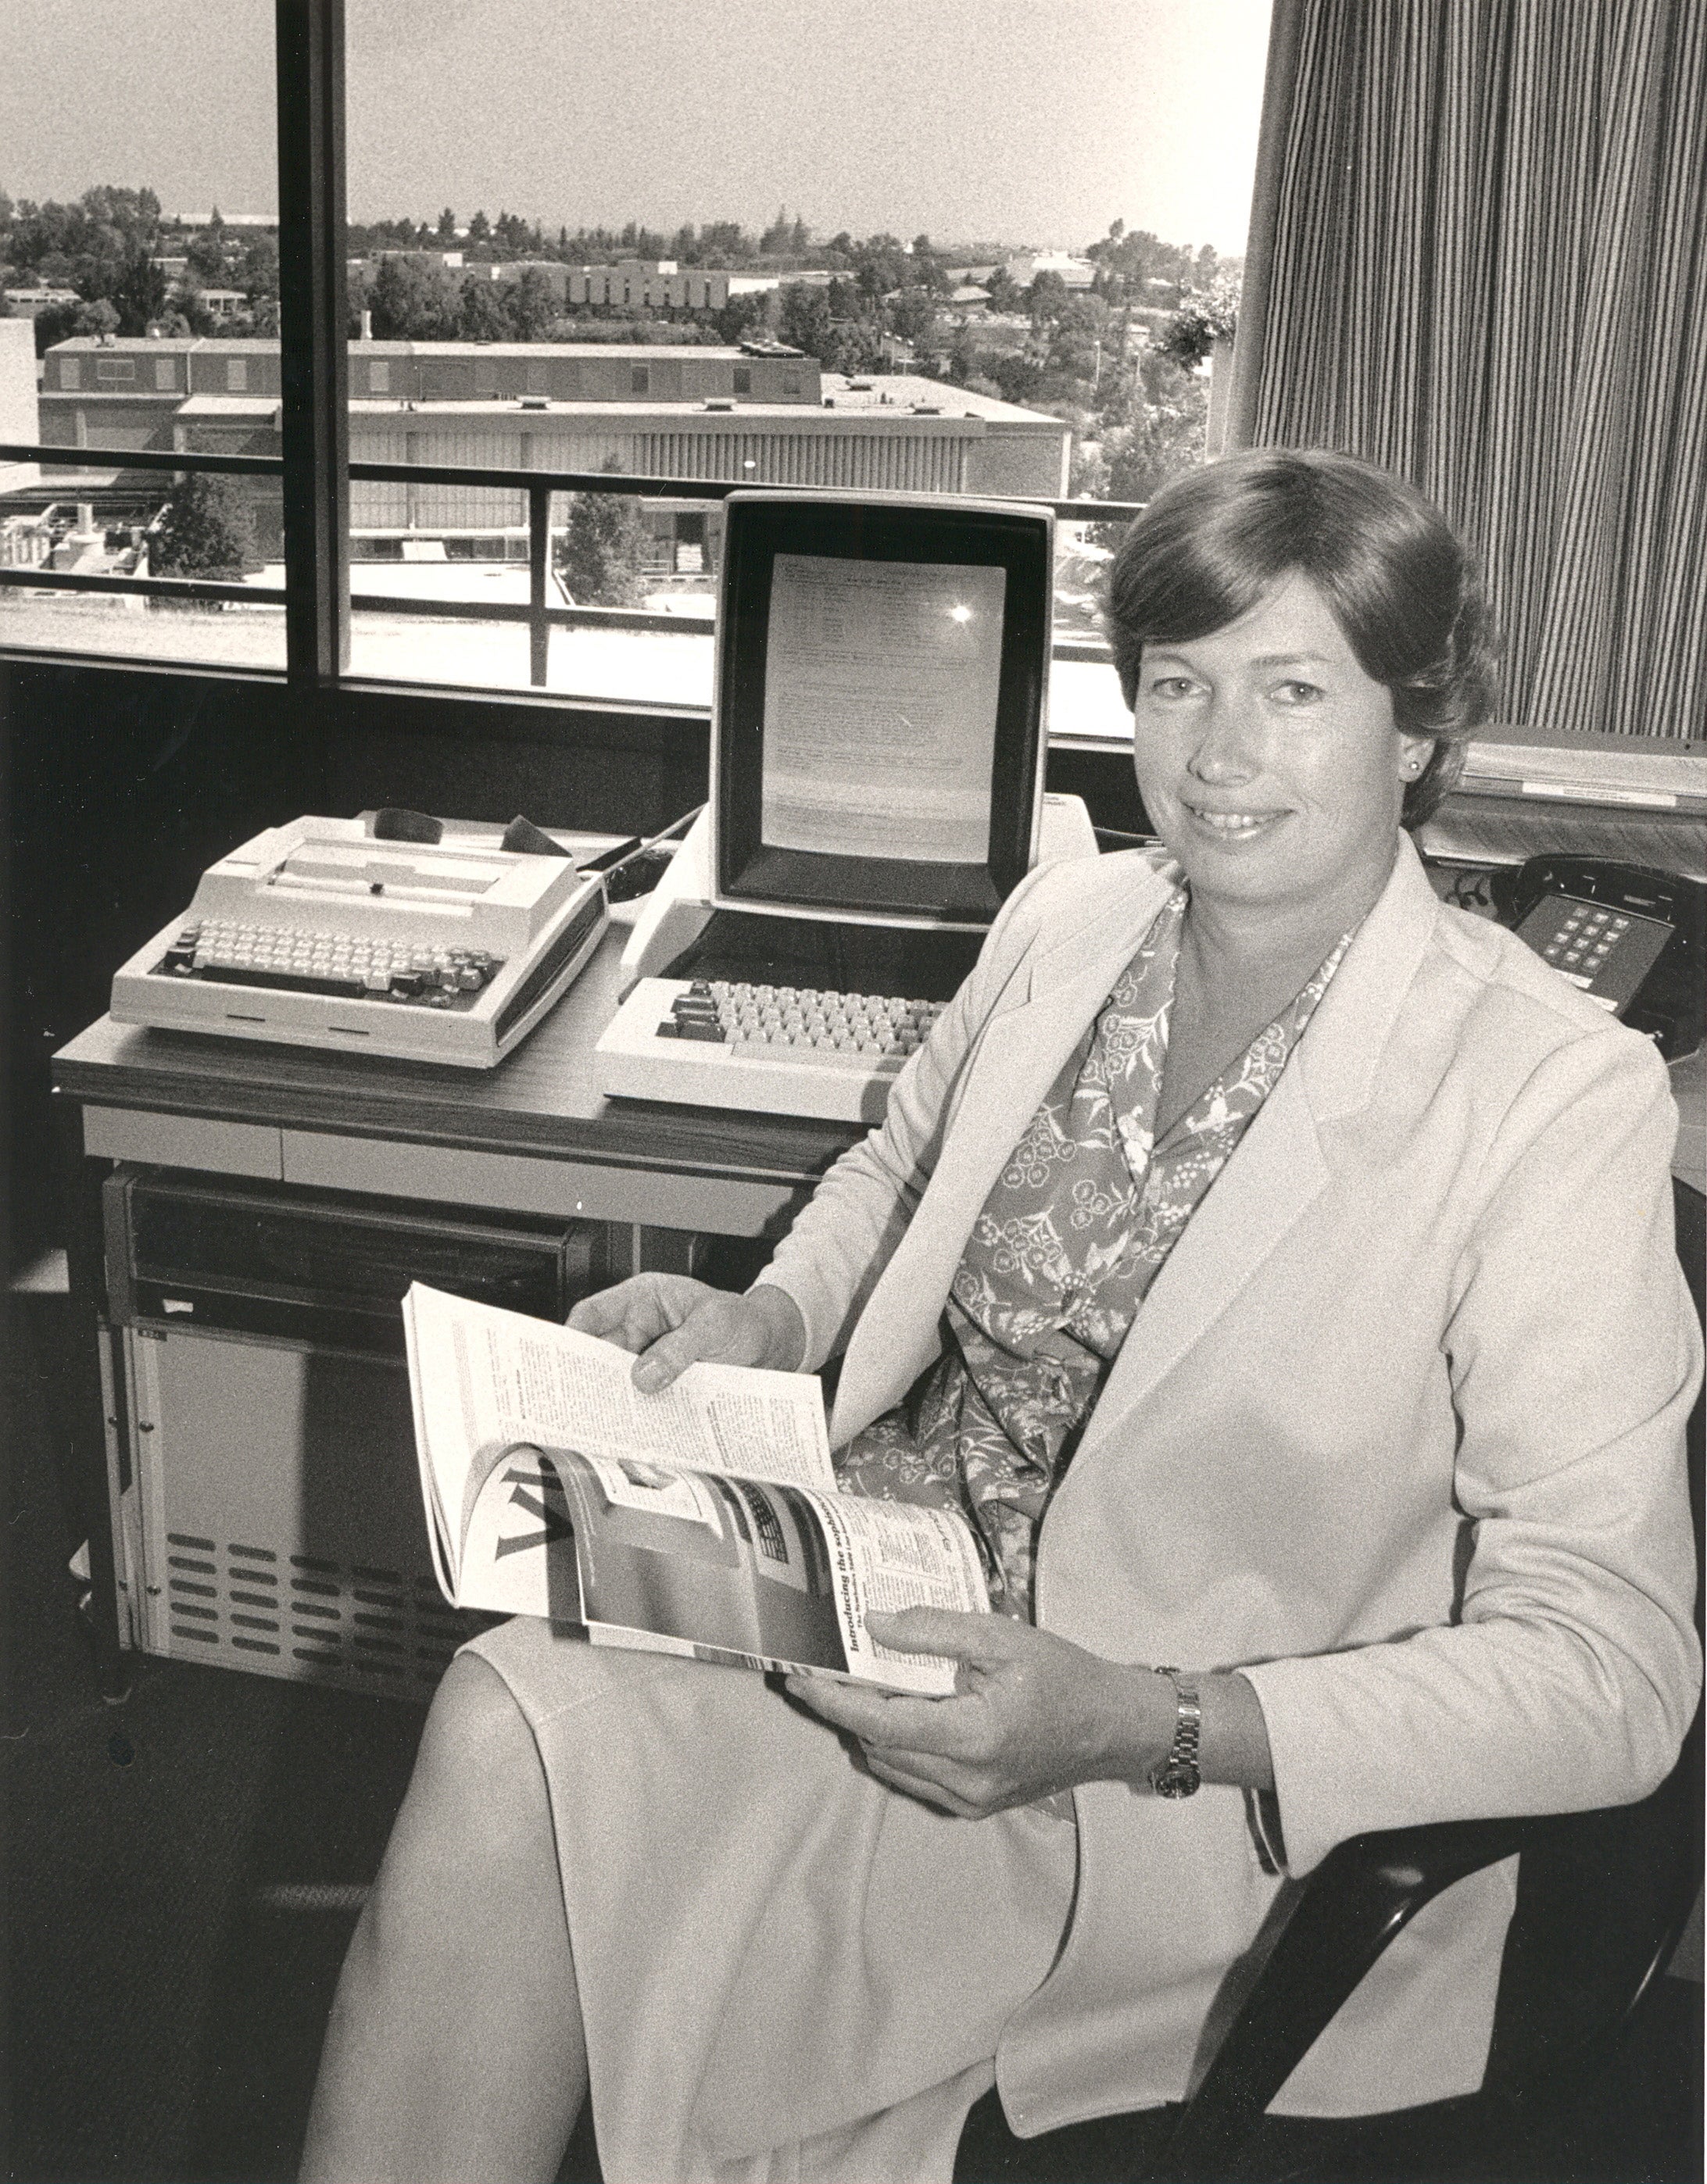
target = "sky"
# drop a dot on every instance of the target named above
(1028, 122)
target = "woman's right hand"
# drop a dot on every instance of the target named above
(671, 1322)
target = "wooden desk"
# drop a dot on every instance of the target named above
(530, 1136)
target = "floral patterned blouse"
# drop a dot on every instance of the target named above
(1073, 1234)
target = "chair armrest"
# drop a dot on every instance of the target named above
(1363, 1893)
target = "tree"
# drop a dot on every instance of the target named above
(68, 321)
(486, 314)
(208, 530)
(1167, 414)
(412, 300)
(257, 269)
(803, 317)
(880, 266)
(912, 315)
(192, 315)
(206, 252)
(479, 229)
(534, 310)
(724, 242)
(601, 556)
(1047, 298)
(1019, 377)
(1203, 318)
(964, 357)
(140, 295)
(1006, 296)
(447, 226)
(929, 271)
(742, 317)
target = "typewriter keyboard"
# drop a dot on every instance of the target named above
(310, 961)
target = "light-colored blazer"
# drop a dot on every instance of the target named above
(1397, 1431)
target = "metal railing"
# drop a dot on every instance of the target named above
(540, 614)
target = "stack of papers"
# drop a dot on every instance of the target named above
(1621, 771)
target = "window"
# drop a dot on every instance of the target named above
(236, 376)
(485, 376)
(1051, 398)
(135, 139)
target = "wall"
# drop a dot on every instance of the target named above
(125, 785)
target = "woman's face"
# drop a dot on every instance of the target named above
(1269, 762)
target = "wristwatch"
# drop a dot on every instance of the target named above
(1177, 1775)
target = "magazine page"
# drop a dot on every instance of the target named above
(435, 1470)
(719, 1567)
(484, 1379)
(518, 1550)
(892, 1555)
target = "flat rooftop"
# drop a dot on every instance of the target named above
(910, 392)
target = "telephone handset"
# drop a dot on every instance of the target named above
(1633, 939)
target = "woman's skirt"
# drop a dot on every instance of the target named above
(789, 1974)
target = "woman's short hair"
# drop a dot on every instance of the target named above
(1399, 581)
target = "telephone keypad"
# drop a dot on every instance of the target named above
(1605, 953)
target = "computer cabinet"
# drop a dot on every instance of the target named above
(261, 1458)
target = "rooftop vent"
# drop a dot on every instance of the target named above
(859, 387)
(535, 402)
(927, 409)
(720, 405)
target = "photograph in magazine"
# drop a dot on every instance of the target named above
(726, 1565)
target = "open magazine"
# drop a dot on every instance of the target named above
(705, 1520)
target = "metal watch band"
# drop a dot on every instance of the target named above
(1178, 1775)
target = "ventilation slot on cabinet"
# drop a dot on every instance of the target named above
(308, 1618)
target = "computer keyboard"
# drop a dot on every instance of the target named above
(779, 1049)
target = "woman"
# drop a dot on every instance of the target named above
(1403, 1491)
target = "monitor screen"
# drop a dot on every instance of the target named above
(882, 666)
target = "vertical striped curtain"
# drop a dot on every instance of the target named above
(1481, 262)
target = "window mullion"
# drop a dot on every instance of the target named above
(316, 418)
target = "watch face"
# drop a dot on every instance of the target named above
(1176, 1778)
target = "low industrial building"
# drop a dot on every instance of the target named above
(759, 415)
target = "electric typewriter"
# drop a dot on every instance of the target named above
(322, 934)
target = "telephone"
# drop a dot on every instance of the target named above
(1634, 940)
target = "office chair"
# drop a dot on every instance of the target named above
(1603, 1897)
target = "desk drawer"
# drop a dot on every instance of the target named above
(579, 1190)
(130, 1133)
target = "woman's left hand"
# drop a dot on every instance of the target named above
(1031, 1715)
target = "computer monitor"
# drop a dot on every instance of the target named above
(877, 737)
